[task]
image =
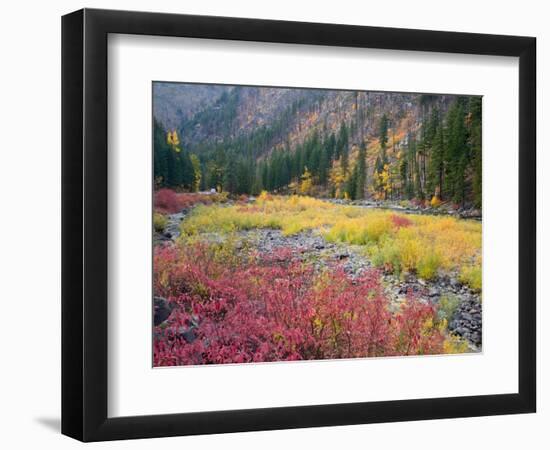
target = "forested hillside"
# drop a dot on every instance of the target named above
(324, 143)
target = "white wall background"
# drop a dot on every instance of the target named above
(30, 229)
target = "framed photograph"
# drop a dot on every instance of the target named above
(273, 225)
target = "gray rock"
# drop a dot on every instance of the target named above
(162, 310)
(187, 334)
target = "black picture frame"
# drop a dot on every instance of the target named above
(84, 224)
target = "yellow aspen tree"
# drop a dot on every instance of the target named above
(306, 183)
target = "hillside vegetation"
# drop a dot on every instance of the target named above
(323, 143)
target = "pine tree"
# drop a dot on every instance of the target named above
(411, 165)
(351, 184)
(324, 164)
(187, 170)
(331, 147)
(230, 180)
(475, 108)
(420, 170)
(264, 177)
(456, 153)
(404, 173)
(383, 133)
(342, 147)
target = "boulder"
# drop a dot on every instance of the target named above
(161, 310)
(187, 334)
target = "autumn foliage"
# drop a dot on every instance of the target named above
(400, 221)
(399, 243)
(167, 201)
(231, 309)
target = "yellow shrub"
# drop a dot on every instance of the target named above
(388, 255)
(410, 248)
(428, 264)
(471, 275)
(455, 344)
(219, 197)
(376, 227)
(159, 222)
(435, 202)
(447, 307)
(264, 196)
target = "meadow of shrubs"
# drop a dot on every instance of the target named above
(235, 306)
(422, 244)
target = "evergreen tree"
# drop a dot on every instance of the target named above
(173, 174)
(351, 183)
(324, 165)
(264, 178)
(411, 165)
(404, 173)
(215, 170)
(456, 153)
(245, 172)
(230, 177)
(420, 170)
(475, 138)
(187, 170)
(342, 147)
(331, 147)
(383, 134)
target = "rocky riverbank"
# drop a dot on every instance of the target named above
(172, 229)
(409, 208)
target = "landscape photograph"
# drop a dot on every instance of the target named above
(294, 224)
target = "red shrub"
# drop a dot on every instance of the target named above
(166, 201)
(276, 309)
(416, 334)
(187, 200)
(400, 221)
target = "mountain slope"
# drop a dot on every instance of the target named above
(249, 138)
